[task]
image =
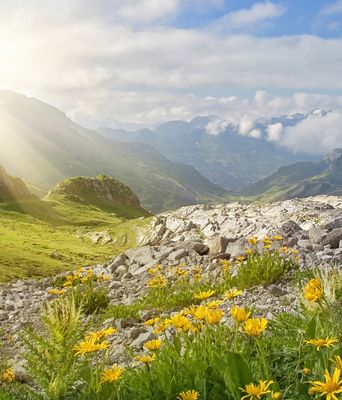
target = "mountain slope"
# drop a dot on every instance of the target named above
(12, 188)
(42, 145)
(229, 159)
(302, 179)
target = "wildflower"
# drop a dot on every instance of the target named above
(90, 346)
(306, 371)
(159, 281)
(318, 343)
(267, 246)
(266, 241)
(294, 251)
(180, 322)
(284, 250)
(146, 359)
(69, 278)
(255, 326)
(277, 238)
(84, 279)
(255, 392)
(240, 314)
(188, 395)
(313, 290)
(100, 334)
(214, 316)
(253, 240)
(67, 284)
(152, 321)
(153, 345)
(232, 293)
(7, 375)
(198, 313)
(160, 328)
(331, 386)
(337, 361)
(204, 295)
(249, 252)
(214, 303)
(275, 395)
(226, 265)
(57, 292)
(240, 259)
(111, 374)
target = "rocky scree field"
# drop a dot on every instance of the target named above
(222, 302)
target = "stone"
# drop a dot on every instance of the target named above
(305, 244)
(197, 246)
(143, 338)
(276, 291)
(315, 234)
(178, 255)
(237, 248)
(332, 238)
(217, 245)
(333, 224)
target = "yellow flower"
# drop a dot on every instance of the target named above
(153, 345)
(240, 259)
(111, 374)
(254, 392)
(154, 270)
(329, 388)
(204, 295)
(179, 322)
(249, 252)
(306, 371)
(198, 313)
(275, 395)
(7, 375)
(57, 292)
(69, 277)
(188, 395)
(84, 279)
(214, 303)
(226, 265)
(100, 334)
(90, 346)
(214, 316)
(337, 361)
(146, 359)
(240, 314)
(277, 238)
(284, 250)
(67, 283)
(159, 281)
(152, 321)
(160, 328)
(313, 290)
(267, 246)
(232, 293)
(255, 326)
(266, 241)
(253, 240)
(318, 343)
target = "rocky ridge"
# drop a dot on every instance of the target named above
(198, 235)
(13, 188)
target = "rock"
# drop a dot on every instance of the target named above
(197, 246)
(315, 234)
(143, 338)
(119, 260)
(306, 244)
(332, 238)
(276, 291)
(177, 255)
(217, 245)
(237, 248)
(333, 224)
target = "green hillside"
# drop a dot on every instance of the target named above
(51, 147)
(301, 180)
(45, 237)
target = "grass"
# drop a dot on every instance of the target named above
(31, 233)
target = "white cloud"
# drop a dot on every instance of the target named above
(315, 135)
(333, 9)
(257, 13)
(274, 132)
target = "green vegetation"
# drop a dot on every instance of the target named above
(40, 238)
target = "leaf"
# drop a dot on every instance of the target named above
(237, 374)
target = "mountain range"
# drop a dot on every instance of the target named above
(43, 146)
(302, 179)
(229, 159)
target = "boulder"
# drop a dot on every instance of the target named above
(217, 245)
(332, 238)
(237, 248)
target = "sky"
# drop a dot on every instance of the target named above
(148, 61)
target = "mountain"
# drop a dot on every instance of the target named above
(41, 144)
(228, 158)
(12, 188)
(302, 179)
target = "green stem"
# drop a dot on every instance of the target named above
(263, 358)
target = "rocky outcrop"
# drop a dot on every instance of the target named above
(13, 188)
(101, 191)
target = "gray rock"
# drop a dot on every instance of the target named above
(143, 338)
(316, 234)
(217, 245)
(332, 238)
(177, 255)
(237, 248)
(333, 224)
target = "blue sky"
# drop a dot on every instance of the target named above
(299, 17)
